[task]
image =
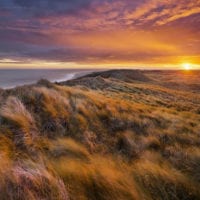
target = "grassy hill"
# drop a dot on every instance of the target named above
(114, 135)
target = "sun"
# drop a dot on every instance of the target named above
(186, 66)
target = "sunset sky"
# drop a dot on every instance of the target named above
(100, 33)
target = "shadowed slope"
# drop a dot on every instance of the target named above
(123, 75)
(177, 80)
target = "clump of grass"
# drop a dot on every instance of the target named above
(129, 146)
(54, 104)
(54, 111)
(161, 182)
(66, 147)
(186, 160)
(100, 178)
(21, 123)
(15, 112)
(31, 181)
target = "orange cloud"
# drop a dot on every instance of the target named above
(129, 31)
(163, 11)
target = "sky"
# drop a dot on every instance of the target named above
(99, 33)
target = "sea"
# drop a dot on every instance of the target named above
(10, 78)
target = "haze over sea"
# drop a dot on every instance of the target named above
(10, 78)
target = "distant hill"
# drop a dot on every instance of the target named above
(99, 80)
(177, 80)
(123, 75)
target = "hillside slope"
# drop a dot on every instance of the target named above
(122, 135)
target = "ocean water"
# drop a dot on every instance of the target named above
(10, 78)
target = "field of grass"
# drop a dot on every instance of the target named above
(117, 135)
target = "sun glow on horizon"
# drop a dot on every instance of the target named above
(187, 66)
(44, 64)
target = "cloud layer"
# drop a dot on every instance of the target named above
(98, 32)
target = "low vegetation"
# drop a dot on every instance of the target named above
(114, 135)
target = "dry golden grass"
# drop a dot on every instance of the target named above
(160, 181)
(30, 181)
(96, 177)
(123, 141)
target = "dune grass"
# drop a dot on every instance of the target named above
(126, 142)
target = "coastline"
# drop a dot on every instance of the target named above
(33, 76)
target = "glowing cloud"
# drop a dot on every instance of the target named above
(88, 32)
